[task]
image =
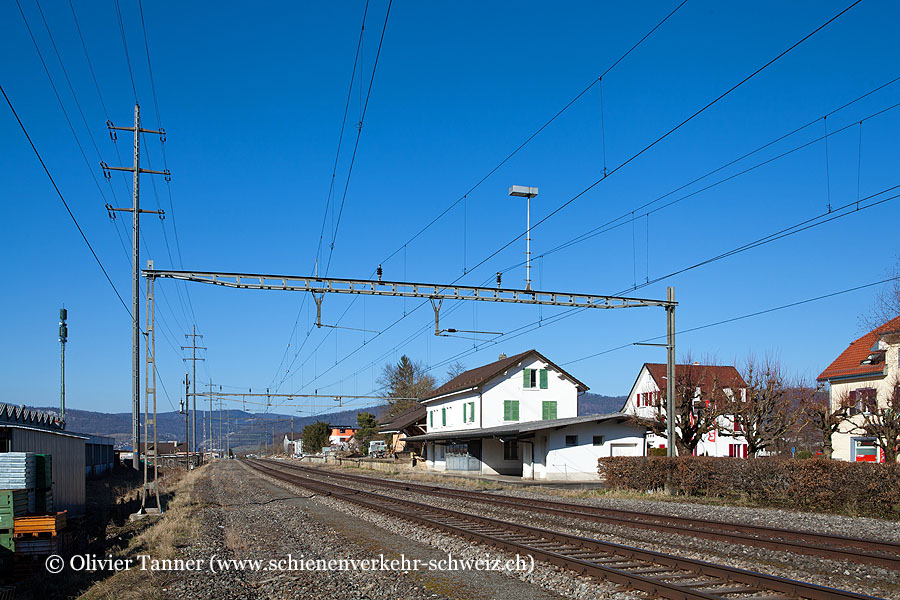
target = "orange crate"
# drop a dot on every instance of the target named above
(40, 523)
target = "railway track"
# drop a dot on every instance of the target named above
(662, 575)
(883, 554)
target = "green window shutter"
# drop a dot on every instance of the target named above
(465, 413)
(548, 409)
(526, 378)
(431, 418)
(507, 411)
(514, 410)
(543, 379)
(443, 416)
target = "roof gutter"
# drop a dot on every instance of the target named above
(448, 395)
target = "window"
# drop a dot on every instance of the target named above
(510, 410)
(598, 440)
(471, 412)
(511, 450)
(443, 416)
(865, 450)
(548, 409)
(532, 378)
(863, 401)
(465, 413)
(571, 440)
(737, 424)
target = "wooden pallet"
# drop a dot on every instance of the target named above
(40, 523)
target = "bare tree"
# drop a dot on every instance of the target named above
(699, 402)
(403, 381)
(455, 369)
(887, 302)
(765, 413)
(881, 420)
(818, 413)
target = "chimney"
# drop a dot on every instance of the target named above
(502, 356)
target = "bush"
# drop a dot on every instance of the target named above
(824, 485)
(803, 454)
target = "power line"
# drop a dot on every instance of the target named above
(165, 167)
(618, 221)
(739, 318)
(65, 204)
(537, 132)
(125, 46)
(358, 135)
(668, 133)
(328, 199)
(492, 171)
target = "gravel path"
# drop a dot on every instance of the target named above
(243, 516)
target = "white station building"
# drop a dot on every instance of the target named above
(519, 416)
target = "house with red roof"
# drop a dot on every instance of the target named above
(648, 397)
(863, 376)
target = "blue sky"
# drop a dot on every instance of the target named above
(253, 102)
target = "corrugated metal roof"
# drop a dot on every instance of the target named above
(40, 419)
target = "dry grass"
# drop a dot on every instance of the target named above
(161, 538)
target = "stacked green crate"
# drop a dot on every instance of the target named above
(7, 516)
(43, 483)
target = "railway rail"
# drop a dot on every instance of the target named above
(663, 575)
(861, 550)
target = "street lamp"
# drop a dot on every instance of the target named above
(522, 191)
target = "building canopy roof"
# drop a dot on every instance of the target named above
(480, 375)
(859, 359)
(517, 430)
(404, 419)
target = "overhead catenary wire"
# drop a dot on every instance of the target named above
(329, 199)
(738, 318)
(668, 133)
(514, 152)
(358, 135)
(619, 222)
(652, 144)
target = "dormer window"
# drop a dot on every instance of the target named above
(532, 378)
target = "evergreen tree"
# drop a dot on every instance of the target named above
(406, 379)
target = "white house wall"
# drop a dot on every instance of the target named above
(492, 461)
(579, 462)
(713, 444)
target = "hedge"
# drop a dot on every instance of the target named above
(823, 485)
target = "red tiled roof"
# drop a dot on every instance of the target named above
(479, 375)
(849, 363)
(723, 376)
